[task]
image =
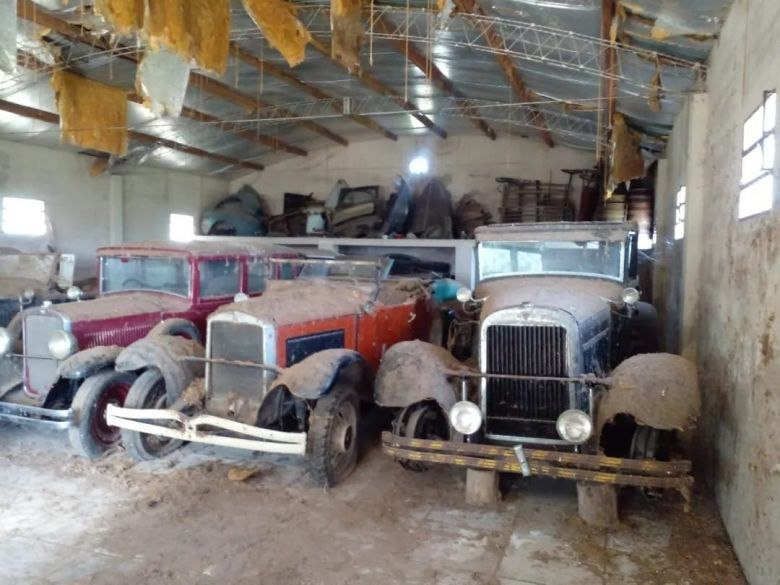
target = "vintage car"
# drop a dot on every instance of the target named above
(66, 375)
(29, 279)
(554, 351)
(286, 372)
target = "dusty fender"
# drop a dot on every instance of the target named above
(659, 390)
(413, 371)
(85, 363)
(314, 376)
(168, 354)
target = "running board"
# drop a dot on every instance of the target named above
(23, 414)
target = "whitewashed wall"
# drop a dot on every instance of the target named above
(468, 164)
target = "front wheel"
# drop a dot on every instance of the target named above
(332, 440)
(424, 420)
(148, 391)
(89, 433)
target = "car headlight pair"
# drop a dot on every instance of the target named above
(62, 344)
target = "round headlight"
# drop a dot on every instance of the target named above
(630, 296)
(5, 341)
(62, 344)
(27, 296)
(574, 426)
(463, 295)
(465, 417)
(74, 293)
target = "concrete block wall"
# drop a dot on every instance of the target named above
(87, 212)
(467, 164)
(731, 282)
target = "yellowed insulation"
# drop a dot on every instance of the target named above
(165, 25)
(656, 91)
(126, 16)
(281, 27)
(208, 22)
(92, 115)
(346, 22)
(627, 161)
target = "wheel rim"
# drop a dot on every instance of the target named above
(423, 422)
(157, 398)
(115, 393)
(343, 436)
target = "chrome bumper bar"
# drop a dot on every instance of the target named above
(57, 419)
(158, 422)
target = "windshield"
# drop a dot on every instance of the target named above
(149, 273)
(586, 258)
(373, 269)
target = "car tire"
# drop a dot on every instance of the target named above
(89, 433)
(332, 440)
(424, 420)
(148, 391)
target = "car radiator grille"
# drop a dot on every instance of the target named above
(40, 367)
(122, 337)
(236, 342)
(525, 407)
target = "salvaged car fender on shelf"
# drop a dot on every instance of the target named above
(315, 375)
(90, 361)
(167, 353)
(659, 390)
(414, 371)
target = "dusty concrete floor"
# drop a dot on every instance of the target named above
(64, 520)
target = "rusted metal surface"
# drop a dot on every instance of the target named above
(573, 466)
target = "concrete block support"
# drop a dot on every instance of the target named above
(482, 487)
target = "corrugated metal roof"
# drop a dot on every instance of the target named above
(554, 44)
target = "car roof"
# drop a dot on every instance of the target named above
(197, 248)
(568, 230)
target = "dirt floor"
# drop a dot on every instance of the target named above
(182, 520)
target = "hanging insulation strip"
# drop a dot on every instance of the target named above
(92, 115)
(627, 161)
(284, 32)
(126, 16)
(347, 26)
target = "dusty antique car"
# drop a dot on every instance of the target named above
(66, 375)
(29, 279)
(286, 372)
(554, 373)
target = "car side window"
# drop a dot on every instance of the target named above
(219, 277)
(256, 270)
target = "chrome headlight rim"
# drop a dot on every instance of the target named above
(62, 344)
(574, 416)
(6, 342)
(465, 417)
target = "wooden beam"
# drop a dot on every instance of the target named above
(496, 42)
(33, 13)
(50, 118)
(265, 67)
(435, 75)
(382, 88)
(608, 86)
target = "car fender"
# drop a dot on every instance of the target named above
(89, 361)
(659, 390)
(414, 371)
(315, 375)
(177, 326)
(167, 353)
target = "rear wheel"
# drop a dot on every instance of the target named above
(148, 391)
(424, 420)
(89, 433)
(332, 440)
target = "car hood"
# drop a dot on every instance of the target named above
(580, 297)
(11, 288)
(121, 305)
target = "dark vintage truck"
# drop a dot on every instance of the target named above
(59, 359)
(555, 368)
(286, 372)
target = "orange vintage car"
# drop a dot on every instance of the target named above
(287, 372)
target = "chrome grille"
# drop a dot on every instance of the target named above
(40, 369)
(236, 342)
(525, 407)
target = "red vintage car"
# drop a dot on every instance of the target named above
(64, 376)
(286, 372)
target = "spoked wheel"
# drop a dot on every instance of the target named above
(424, 420)
(332, 440)
(148, 391)
(90, 434)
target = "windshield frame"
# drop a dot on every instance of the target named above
(184, 259)
(624, 261)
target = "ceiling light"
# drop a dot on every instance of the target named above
(419, 165)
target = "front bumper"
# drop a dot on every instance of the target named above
(56, 419)
(205, 428)
(565, 465)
